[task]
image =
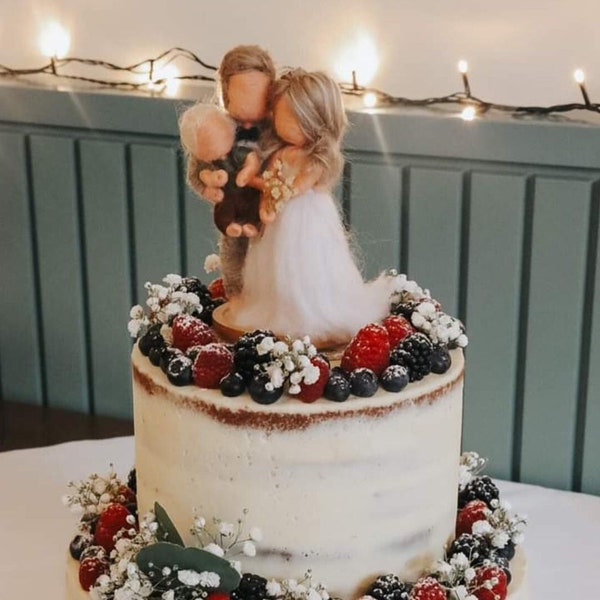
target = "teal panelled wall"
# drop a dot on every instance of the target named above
(498, 218)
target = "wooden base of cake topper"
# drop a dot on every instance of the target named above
(226, 327)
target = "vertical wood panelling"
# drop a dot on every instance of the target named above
(19, 338)
(375, 216)
(557, 284)
(201, 234)
(155, 214)
(497, 207)
(60, 263)
(104, 194)
(590, 477)
(434, 233)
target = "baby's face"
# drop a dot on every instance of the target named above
(247, 96)
(214, 139)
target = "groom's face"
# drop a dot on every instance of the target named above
(247, 97)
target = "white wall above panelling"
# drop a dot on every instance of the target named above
(519, 51)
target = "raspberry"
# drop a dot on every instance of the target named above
(217, 289)
(218, 596)
(111, 521)
(89, 570)
(398, 328)
(125, 495)
(310, 392)
(212, 363)
(474, 511)
(389, 587)
(428, 589)
(492, 576)
(189, 331)
(369, 348)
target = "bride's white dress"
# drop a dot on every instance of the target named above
(301, 278)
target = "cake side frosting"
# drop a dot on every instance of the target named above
(356, 490)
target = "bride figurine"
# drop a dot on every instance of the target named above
(300, 276)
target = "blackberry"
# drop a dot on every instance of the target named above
(245, 355)
(404, 309)
(156, 353)
(337, 387)
(479, 488)
(414, 352)
(132, 480)
(389, 587)
(394, 378)
(232, 385)
(195, 286)
(257, 388)
(252, 587)
(179, 371)
(151, 339)
(363, 382)
(440, 359)
(475, 547)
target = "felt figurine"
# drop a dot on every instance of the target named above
(300, 275)
(244, 80)
(209, 134)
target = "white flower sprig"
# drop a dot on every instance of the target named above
(406, 290)
(163, 302)
(505, 525)
(226, 539)
(290, 361)
(471, 464)
(294, 589)
(440, 327)
(92, 495)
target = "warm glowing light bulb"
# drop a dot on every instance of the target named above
(359, 56)
(579, 76)
(170, 73)
(369, 100)
(55, 40)
(468, 113)
(463, 66)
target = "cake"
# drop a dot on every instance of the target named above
(293, 414)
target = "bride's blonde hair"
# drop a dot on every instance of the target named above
(316, 101)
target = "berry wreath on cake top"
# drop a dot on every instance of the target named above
(175, 331)
(123, 556)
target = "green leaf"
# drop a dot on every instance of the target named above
(155, 557)
(167, 532)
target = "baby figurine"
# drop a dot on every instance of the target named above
(208, 134)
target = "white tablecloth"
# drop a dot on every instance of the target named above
(562, 540)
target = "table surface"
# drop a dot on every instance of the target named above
(562, 539)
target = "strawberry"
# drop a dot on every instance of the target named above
(112, 519)
(369, 348)
(476, 510)
(427, 588)
(490, 583)
(398, 328)
(212, 363)
(90, 569)
(310, 392)
(189, 331)
(217, 289)
(218, 596)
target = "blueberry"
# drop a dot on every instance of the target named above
(440, 360)
(363, 382)
(508, 552)
(78, 544)
(168, 354)
(337, 387)
(151, 339)
(257, 388)
(155, 355)
(394, 378)
(232, 385)
(179, 371)
(339, 371)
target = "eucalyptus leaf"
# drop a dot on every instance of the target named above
(153, 558)
(167, 532)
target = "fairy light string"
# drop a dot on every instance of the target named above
(151, 74)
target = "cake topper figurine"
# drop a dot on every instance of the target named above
(300, 275)
(209, 135)
(244, 78)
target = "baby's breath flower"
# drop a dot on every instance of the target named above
(214, 549)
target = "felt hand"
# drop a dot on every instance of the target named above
(248, 174)
(213, 181)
